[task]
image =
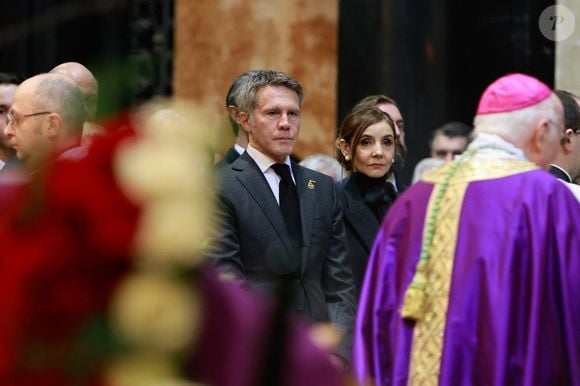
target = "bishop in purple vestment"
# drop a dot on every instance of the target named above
(474, 278)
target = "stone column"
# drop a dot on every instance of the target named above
(215, 41)
(567, 71)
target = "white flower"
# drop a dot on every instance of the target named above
(168, 172)
(155, 313)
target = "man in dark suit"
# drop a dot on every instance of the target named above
(566, 165)
(241, 136)
(264, 243)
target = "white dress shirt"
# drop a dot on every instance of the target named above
(265, 164)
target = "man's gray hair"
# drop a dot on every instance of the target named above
(247, 95)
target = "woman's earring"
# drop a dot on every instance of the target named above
(347, 158)
(392, 160)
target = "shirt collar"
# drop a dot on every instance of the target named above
(264, 162)
(239, 149)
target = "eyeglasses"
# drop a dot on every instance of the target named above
(11, 119)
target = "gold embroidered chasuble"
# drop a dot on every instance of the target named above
(428, 338)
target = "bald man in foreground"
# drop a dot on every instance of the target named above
(89, 87)
(45, 120)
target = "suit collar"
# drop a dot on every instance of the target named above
(253, 180)
(231, 155)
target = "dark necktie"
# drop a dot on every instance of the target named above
(289, 205)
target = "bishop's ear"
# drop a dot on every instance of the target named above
(544, 143)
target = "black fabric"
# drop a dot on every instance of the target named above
(231, 155)
(377, 193)
(289, 205)
(558, 173)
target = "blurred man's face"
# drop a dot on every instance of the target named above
(6, 97)
(446, 148)
(400, 147)
(575, 152)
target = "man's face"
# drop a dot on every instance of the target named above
(393, 111)
(24, 134)
(446, 148)
(275, 122)
(6, 97)
(574, 156)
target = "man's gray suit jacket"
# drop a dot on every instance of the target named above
(253, 242)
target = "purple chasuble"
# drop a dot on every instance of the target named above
(513, 315)
(234, 334)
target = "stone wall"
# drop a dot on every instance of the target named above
(567, 72)
(216, 40)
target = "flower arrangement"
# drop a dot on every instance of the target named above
(97, 254)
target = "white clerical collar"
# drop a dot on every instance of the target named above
(563, 171)
(493, 146)
(264, 162)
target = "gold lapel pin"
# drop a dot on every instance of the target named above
(311, 184)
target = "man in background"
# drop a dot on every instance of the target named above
(324, 164)
(449, 140)
(566, 165)
(233, 114)
(45, 120)
(8, 84)
(89, 87)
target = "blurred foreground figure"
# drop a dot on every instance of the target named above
(109, 286)
(425, 166)
(324, 164)
(473, 279)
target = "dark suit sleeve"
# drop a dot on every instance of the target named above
(338, 281)
(225, 250)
